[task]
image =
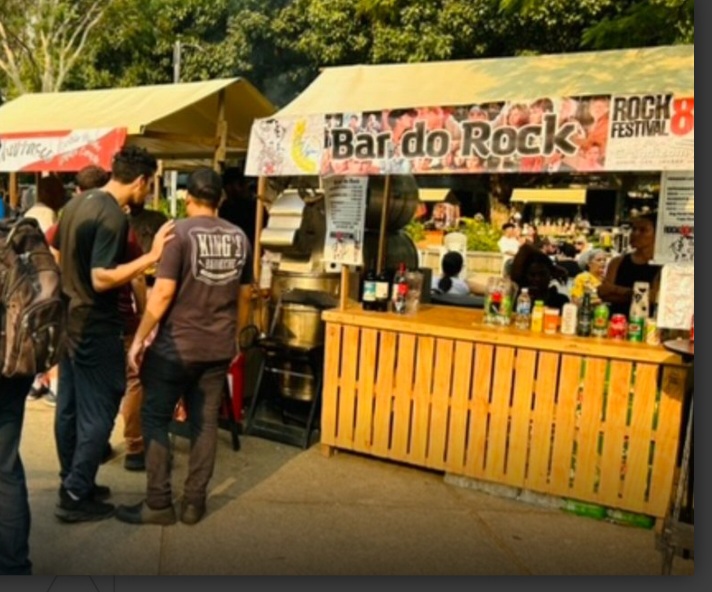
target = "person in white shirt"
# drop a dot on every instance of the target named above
(51, 197)
(508, 243)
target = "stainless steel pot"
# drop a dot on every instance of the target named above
(319, 282)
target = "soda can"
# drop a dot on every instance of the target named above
(635, 330)
(569, 314)
(652, 335)
(600, 320)
(618, 327)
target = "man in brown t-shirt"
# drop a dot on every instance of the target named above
(203, 274)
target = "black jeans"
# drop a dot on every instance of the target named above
(201, 386)
(92, 380)
(14, 507)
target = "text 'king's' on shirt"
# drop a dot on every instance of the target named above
(208, 258)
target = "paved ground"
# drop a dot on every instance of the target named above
(278, 510)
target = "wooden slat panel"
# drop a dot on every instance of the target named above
(614, 432)
(403, 395)
(457, 433)
(440, 403)
(366, 380)
(519, 432)
(499, 413)
(668, 437)
(347, 387)
(565, 424)
(384, 393)
(589, 428)
(542, 421)
(421, 400)
(330, 390)
(636, 474)
(479, 410)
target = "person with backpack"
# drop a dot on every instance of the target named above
(30, 298)
(91, 239)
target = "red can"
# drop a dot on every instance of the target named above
(618, 327)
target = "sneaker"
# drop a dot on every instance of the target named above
(142, 514)
(84, 510)
(191, 513)
(98, 493)
(36, 392)
(50, 398)
(135, 462)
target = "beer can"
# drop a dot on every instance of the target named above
(635, 329)
(618, 327)
(652, 335)
(569, 314)
(600, 320)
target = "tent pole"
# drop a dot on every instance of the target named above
(260, 303)
(14, 191)
(221, 132)
(380, 263)
(157, 180)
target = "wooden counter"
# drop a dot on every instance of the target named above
(589, 419)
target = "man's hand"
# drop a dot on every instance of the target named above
(135, 354)
(164, 235)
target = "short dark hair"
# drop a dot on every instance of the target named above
(507, 225)
(205, 185)
(568, 249)
(132, 162)
(91, 177)
(233, 176)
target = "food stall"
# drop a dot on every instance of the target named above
(593, 420)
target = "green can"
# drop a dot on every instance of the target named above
(599, 326)
(635, 329)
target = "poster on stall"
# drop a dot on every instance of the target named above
(345, 199)
(675, 233)
(676, 301)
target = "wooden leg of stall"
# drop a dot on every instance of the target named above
(344, 294)
(259, 303)
(221, 135)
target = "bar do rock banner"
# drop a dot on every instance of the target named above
(651, 132)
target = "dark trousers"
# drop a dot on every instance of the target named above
(201, 386)
(92, 380)
(14, 507)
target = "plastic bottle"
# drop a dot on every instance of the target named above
(523, 310)
(537, 323)
(630, 519)
(400, 290)
(585, 509)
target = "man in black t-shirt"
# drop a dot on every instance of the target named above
(91, 240)
(203, 275)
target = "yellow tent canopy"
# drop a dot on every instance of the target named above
(463, 82)
(170, 120)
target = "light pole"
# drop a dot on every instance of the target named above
(177, 54)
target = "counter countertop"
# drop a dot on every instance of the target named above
(466, 324)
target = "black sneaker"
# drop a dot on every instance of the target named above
(99, 493)
(85, 510)
(142, 514)
(135, 462)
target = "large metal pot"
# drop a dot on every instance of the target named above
(401, 206)
(282, 281)
(298, 325)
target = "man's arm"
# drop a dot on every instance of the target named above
(161, 296)
(138, 287)
(608, 291)
(244, 303)
(104, 279)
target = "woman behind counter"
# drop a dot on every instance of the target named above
(594, 262)
(533, 270)
(624, 271)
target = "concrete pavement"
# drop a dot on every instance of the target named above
(278, 510)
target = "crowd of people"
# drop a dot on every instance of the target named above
(560, 272)
(143, 346)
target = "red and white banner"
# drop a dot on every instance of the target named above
(61, 151)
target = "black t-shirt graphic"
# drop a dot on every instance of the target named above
(208, 258)
(92, 234)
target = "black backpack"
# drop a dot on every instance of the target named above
(33, 310)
